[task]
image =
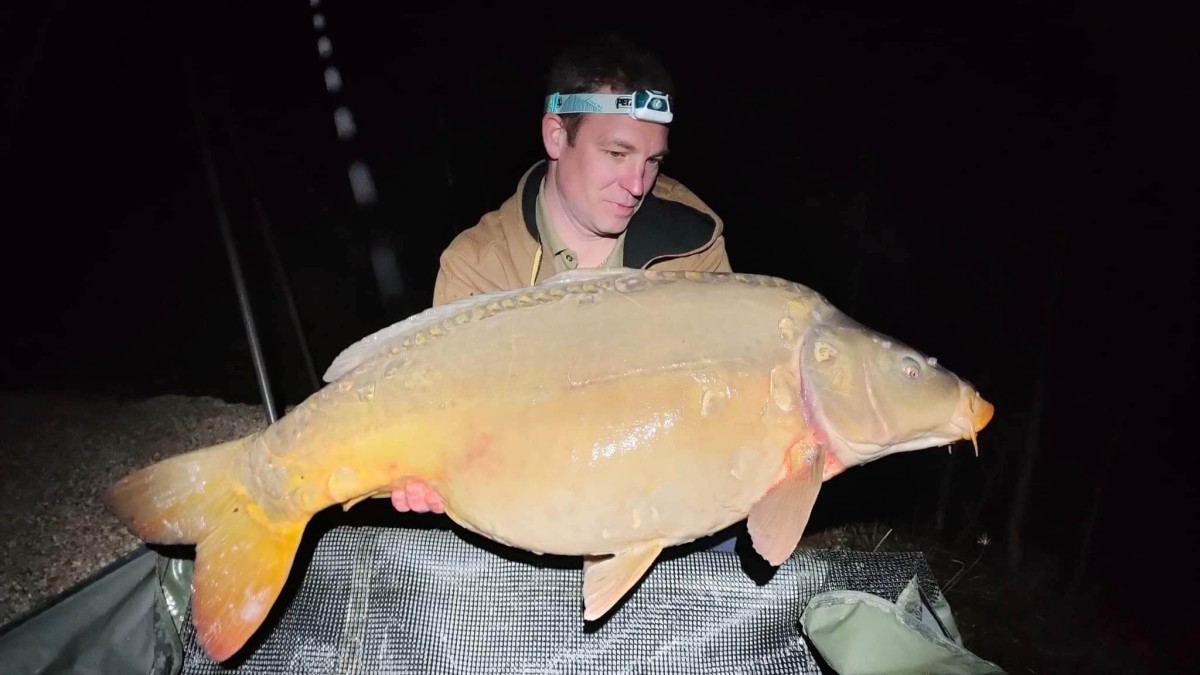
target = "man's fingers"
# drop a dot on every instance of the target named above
(418, 497)
(432, 501)
(400, 499)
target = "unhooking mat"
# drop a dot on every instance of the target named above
(387, 600)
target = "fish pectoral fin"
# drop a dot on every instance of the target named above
(607, 580)
(777, 521)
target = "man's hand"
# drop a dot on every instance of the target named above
(417, 496)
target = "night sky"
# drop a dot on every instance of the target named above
(998, 186)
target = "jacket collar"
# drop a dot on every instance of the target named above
(660, 228)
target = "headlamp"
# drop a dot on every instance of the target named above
(647, 105)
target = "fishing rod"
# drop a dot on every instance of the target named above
(264, 228)
(231, 252)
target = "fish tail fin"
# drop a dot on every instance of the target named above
(243, 557)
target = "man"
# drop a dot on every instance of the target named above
(598, 201)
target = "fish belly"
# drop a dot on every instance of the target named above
(601, 467)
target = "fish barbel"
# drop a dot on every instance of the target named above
(606, 414)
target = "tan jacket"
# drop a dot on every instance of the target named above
(673, 230)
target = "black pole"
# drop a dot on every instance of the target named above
(260, 369)
(264, 228)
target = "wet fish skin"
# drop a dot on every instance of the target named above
(667, 407)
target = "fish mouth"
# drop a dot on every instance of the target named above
(972, 416)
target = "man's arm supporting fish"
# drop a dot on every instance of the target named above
(670, 406)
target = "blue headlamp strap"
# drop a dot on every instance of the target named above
(645, 104)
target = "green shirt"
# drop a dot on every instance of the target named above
(564, 258)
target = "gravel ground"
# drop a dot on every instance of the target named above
(58, 454)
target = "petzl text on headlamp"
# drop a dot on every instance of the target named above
(645, 104)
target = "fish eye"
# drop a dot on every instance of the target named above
(910, 367)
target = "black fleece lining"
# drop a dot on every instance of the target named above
(660, 228)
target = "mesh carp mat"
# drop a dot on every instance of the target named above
(393, 600)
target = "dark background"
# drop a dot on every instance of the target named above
(1000, 186)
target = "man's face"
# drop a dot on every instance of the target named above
(603, 177)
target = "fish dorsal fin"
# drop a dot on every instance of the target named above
(371, 345)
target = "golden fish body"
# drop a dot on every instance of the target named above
(601, 413)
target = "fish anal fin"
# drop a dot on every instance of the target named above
(241, 567)
(607, 580)
(777, 521)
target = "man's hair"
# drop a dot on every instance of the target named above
(608, 60)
